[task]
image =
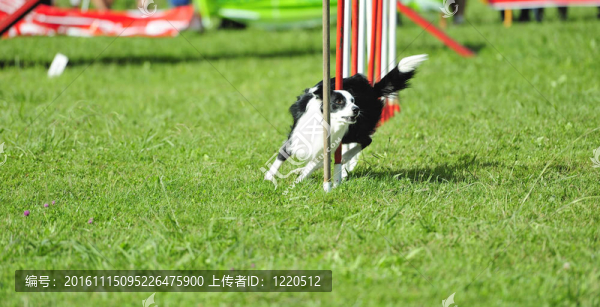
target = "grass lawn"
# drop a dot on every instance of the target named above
(482, 186)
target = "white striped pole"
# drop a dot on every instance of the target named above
(392, 36)
(369, 24)
(362, 27)
(347, 41)
(384, 36)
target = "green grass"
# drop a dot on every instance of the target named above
(482, 186)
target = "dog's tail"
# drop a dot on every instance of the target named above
(397, 79)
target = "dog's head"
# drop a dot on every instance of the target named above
(341, 104)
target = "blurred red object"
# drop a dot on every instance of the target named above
(48, 21)
(524, 4)
(11, 11)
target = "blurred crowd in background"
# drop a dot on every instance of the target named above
(205, 9)
(168, 17)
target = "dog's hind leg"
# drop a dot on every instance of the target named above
(309, 169)
(352, 153)
(351, 164)
(348, 156)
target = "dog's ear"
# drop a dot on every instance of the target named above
(317, 90)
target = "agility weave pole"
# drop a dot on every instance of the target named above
(382, 47)
(326, 92)
(352, 24)
(340, 56)
(368, 25)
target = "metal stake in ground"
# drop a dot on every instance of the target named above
(326, 92)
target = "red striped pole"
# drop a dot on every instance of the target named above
(378, 41)
(354, 60)
(339, 57)
(378, 37)
(339, 48)
(439, 34)
(371, 64)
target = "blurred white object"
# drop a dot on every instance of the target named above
(58, 65)
(85, 6)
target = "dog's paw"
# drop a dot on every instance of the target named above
(269, 176)
(409, 64)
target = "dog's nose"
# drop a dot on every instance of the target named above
(355, 109)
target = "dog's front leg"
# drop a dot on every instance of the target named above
(270, 174)
(283, 155)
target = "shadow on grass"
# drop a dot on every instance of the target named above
(475, 47)
(195, 57)
(165, 59)
(460, 171)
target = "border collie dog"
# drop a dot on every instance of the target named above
(355, 112)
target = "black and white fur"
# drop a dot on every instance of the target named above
(355, 112)
(305, 141)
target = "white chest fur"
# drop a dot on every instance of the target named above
(306, 141)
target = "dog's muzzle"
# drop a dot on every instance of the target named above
(350, 119)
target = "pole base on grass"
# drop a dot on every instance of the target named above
(327, 186)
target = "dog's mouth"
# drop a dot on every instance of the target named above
(350, 119)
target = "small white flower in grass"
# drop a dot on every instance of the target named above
(149, 301)
(2, 152)
(449, 301)
(596, 158)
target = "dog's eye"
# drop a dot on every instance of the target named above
(338, 102)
